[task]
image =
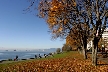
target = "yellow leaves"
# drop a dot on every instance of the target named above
(42, 14)
(74, 4)
(51, 8)
(73, 39)
(51, 14)
(55, 7)
(55, 13)
(51, 20)
(54, 31)
(69, 41)
(60, 29)
(65, 21)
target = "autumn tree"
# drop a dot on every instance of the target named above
(74, 39)
(96, 12)
(79, 37)
(61, 16)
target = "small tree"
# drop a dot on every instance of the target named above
(58, 50)
(69, 48)
(66, 48)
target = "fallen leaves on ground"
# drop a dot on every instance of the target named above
(66, 64)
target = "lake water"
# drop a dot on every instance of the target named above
(4, 55)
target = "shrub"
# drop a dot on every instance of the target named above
(23, 59)
(58, 50)
(9, 59)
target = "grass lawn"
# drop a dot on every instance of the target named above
(62, 55)
(67, 61)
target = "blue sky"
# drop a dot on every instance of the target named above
(23, 31)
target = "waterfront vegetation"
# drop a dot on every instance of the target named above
(67, 61)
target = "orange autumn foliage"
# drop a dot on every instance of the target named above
(73, 39)
(56, 14)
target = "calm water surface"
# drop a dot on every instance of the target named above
(4, 55)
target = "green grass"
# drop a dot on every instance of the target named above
(61, 55)
(65, 54)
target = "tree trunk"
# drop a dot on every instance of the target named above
(84, 53)
(80, 50)
(85, 49)
(94, 51)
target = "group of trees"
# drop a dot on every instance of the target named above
(81, 20)
(66, 48)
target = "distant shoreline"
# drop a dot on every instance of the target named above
(7, 61)
(5, 55)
